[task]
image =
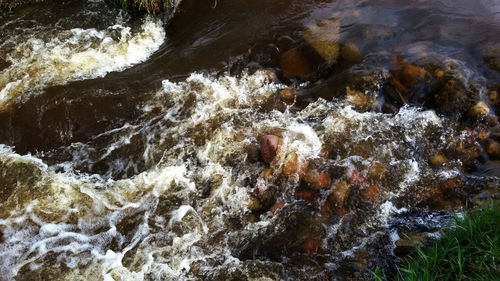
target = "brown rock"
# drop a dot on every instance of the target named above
(317, 180)
(306, 195)
(406, 75)
(370, 193)
(361, 100)
(493, 149)
(277, 206)
(287, 95)
(340, 191)
(350, 53)
(292, 165)
(324, 36)
(438, 159)
(253, 204)
(494, 98)
(377, 171)
(295, 64)
(491, 55)
(268, 147)
(479, 110)
(312, 245)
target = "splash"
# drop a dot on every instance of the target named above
(76, 54)
(188, 214)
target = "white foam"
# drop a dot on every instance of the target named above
(76, 54)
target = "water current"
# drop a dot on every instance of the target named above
(130, 149)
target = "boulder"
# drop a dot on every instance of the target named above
(268, 147)
(324, 37)
(295, 64)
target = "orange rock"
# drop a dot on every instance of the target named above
(483, 133)
(370, 193)
(406, 75)
(317, 180)
(295, 64)
(277, 206)
(292, 165)
(306, 195)
(311, 245)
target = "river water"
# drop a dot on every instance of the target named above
(129, 148)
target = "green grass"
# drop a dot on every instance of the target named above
(470, 251)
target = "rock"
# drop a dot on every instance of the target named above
(377, 171)
(340, 191)
(494, 98)
(253, 153)
(268, 147)
(277, 206)
(408, 242)
(438, 159)
(492, 120)
(271, 75)
(491, 55)
(371, 193)
(306, 195)
(324, 36)
(453, 98)
(317, 180)
(483, 133)
(479, 110)
(493, 149)
(288, 95)
(295, 64)
(350, 53)
(405, 76)
(253, 204)
(361, 100)
(292, 165)
(266, 173)
(311, 245)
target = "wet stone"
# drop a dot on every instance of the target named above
(324, 36)
(295, 64)
(269, 147)
(438, 159)
(350, 53)
(479, 110)
(491, 55)
(493, 149)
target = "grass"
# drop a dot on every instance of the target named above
(153, 7)
(470, 251)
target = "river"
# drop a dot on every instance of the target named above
(130, 148)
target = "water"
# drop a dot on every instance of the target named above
(130, 149)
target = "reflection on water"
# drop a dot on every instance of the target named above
(132, 151)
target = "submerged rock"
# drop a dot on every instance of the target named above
(324, 37)
(350, 53)
(491, 55)
(295, 64)
(268, 147)
(479, 110)
(405, 76)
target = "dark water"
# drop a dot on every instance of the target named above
(130, 148)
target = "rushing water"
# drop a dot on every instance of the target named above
(130, 150)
